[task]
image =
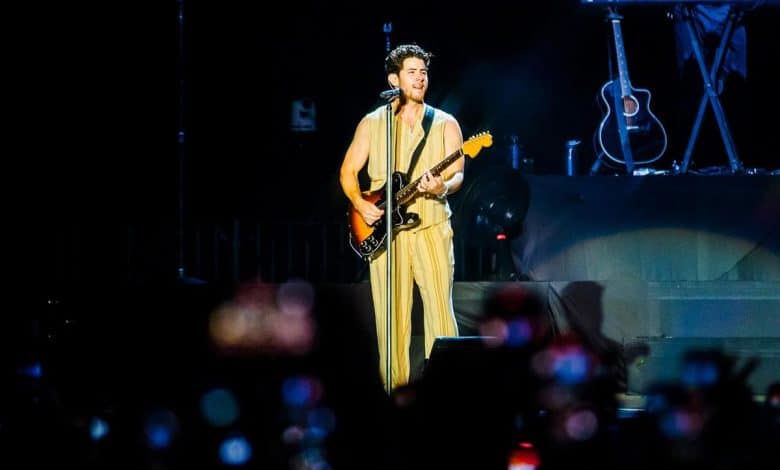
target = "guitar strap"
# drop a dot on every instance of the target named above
(426, 124)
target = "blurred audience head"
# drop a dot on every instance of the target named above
(515, 316)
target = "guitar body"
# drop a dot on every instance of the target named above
(646, 135)
(369, 240)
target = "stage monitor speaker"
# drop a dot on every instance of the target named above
(454, 351)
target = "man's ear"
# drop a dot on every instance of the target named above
(392, 79)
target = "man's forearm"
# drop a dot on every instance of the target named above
(350, 186)
(454, 182)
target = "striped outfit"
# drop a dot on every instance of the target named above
(423, 254)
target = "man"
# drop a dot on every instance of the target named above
(423, 254)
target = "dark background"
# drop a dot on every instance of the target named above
(102, 112)
(95, 134)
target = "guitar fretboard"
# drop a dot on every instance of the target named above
(620, 54)
(408, 192)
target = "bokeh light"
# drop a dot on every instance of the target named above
(98, 428)
(267, 319)
(235, 450)
(219, 407)
(160, 428)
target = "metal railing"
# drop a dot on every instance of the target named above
(223, 251)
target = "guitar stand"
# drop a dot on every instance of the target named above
(594, 169)
(710, 76)
(602, 160)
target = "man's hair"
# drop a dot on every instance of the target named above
(395, 59)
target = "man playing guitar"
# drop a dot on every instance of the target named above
(422, 254)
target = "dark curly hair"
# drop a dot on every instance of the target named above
(395, 59)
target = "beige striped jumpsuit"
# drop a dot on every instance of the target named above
(423, 254)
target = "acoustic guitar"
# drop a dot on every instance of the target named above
(369, 240)
(629, 133)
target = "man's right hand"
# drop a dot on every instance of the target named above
(368, 211)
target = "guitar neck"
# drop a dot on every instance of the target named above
(620, 53)
(410, 190)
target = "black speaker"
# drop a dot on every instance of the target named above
(454, 351)
(458, 399)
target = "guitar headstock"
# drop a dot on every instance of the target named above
(475, 144)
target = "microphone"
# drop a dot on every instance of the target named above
(390, 94)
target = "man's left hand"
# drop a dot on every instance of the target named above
(431, 184)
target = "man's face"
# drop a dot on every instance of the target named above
(413, 79)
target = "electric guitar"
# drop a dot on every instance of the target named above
(368, 240)
(630, 133)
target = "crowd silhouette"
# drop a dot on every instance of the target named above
(234, 390)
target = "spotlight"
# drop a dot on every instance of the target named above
(490, 214)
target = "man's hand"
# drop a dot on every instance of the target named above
(368, 211)
(432, 185)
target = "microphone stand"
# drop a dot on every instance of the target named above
(181, 276)
(388, 252)
(180, 147)
(387, 28)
